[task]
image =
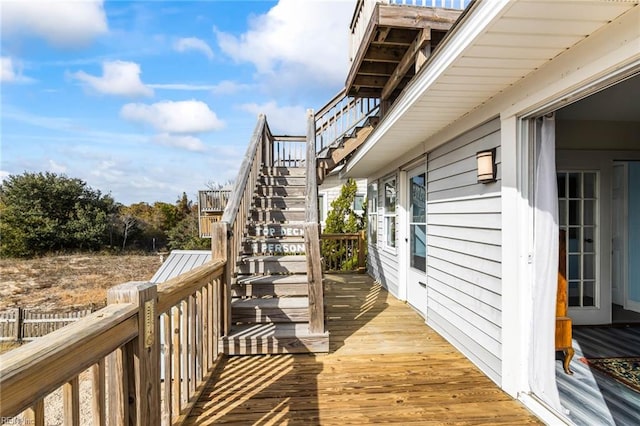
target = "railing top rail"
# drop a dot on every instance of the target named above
(333, 102)
(62, 354)
(337, 236)
(233, 205)
(289, 138)
(174, 290)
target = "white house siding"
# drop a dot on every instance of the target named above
(464, 248)
(382, 262)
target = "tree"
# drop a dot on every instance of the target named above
(186, 235)
(44, 212)
(342, 219)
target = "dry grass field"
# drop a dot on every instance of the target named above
(69, 282)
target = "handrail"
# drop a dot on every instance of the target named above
(121, 343)
(61, 355)
(311, 214)
(253, 151)
(341, 116)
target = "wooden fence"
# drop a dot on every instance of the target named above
(21, 324)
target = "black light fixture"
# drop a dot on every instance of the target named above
(486, 166)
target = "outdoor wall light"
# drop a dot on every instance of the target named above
(486, 166)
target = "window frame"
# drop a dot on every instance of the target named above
(390, 216)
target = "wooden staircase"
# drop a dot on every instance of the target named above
(340, 150)
(270, 293)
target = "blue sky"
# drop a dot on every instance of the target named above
(145, 100)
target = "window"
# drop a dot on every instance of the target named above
(372, 212)
(358, 204)
(390, 200)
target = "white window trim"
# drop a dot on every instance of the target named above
(372, 214)
(390, 248)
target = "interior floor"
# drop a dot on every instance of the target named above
(620, 315)
(591, 396)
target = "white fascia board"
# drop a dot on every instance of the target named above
(463, 36)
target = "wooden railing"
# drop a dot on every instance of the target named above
(340, 116)
(344, 252)
(121, 346)
(286, 151)
(228, 233)
(364, 10)
(213, 200)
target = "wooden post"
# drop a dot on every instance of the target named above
(361, 249)
(314, 272)
(220, 251)
(144, 400)
(19, 322)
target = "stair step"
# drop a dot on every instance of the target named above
(278, 215)
(272, 264)
(284, 171)
(280, 202)
(255, 339)
(298, 180)
(273, 246)
(277, 310)
(271, 285)
(276, 230)
(280, 191)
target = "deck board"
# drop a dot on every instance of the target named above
(385, 366)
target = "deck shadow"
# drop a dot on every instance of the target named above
(351, 301)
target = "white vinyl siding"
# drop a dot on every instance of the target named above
(464, 248)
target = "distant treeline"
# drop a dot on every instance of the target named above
(44, 213)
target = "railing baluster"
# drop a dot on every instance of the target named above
(98, 393)
(176, 371)
(35, 414)
(184, 353)
(71, 402)
(199, 335)
(167, 338)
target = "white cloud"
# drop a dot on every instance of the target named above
(228, 87)
(192, 43)
(61, 23)
(190, 143)
(56, 168)
(289, 120)
(118, 78)
(4, 174)
(225, 87)
(7, 74)
(11, 71)
(297, 40)
(174, 117)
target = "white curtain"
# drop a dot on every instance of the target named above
(542, 378)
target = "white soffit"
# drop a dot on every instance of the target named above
(495, 45)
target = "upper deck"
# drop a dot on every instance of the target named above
(391, 39)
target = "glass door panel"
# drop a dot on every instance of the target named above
(578, 215)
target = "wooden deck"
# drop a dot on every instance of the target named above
(385, 366)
